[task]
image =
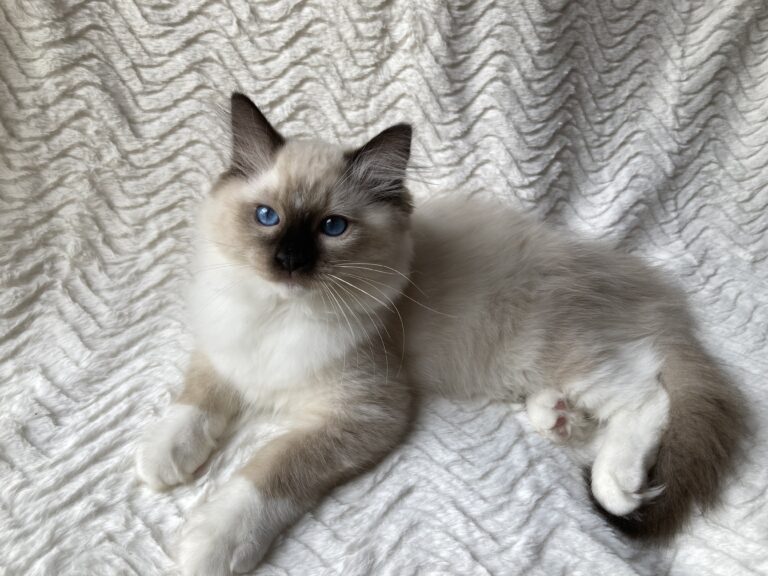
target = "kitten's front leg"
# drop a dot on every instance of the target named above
(175, 446)
(232, 532)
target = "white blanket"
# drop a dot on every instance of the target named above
(643, 122)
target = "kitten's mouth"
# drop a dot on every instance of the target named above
(292, 284)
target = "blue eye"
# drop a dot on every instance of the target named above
(266, 216)
(334, 226)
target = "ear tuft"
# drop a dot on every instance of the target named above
(254, 140)
(381, 163)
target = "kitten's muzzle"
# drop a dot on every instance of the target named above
(296, 250)
(293, 261)
(296, 256)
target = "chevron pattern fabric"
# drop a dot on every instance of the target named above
(644, 123)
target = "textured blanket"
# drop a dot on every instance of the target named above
(641, 122)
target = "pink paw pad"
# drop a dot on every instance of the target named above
(562, 425)
(551, 414)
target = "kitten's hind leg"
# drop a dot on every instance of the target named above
(551, 414)
(179, 443)
(627, 450)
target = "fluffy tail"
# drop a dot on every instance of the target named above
(706, 425)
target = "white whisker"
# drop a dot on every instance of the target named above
(404, 296)
(345, 264)
(344, 357)
(337, 297)
(375, 325)
(394, 307)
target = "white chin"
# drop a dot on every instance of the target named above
(290, 288)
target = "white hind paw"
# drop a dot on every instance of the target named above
(613, 496)
(550, 414)
(619, 487)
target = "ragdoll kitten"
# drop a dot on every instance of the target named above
(308, 262)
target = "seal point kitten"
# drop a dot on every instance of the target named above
(311, 269)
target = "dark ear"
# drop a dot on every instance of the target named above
(381, 163)
(254, 140)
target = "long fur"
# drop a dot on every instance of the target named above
(466, 297)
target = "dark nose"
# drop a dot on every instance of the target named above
(291, 259)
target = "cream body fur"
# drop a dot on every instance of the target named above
(502, 323)
(319, 297)
(600, 345)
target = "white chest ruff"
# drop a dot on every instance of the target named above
(270, 349)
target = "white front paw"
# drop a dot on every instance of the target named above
(231, 533)
(177, 445)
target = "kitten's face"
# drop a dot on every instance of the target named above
(306, 214)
